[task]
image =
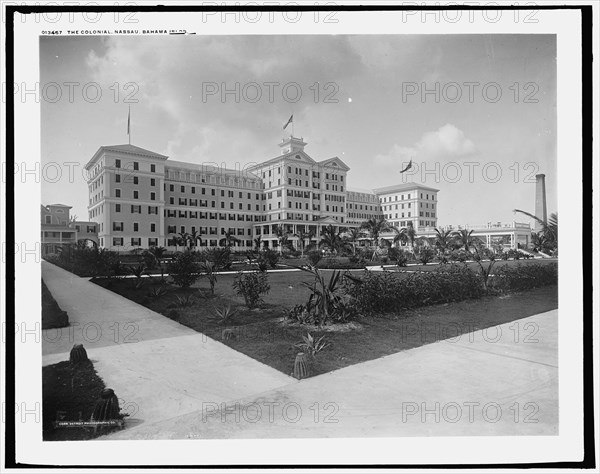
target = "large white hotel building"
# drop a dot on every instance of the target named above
(140, 198)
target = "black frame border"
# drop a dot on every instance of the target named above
(589, 458)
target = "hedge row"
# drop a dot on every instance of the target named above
(385, 292)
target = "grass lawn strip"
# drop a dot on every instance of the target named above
(266, 336)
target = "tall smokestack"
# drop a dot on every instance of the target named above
(540, 200)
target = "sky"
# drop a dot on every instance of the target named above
(486, 127)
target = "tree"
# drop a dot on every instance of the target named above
(179, 239)
(183, 269)
(152, 256)
(257, 242)
(352, 236)
(443, 240)
(330, 239)
(549, 228)
(228, 240)
(282, 237)
(302, 237)
(374, 227)
(464, 237)
(194, 238)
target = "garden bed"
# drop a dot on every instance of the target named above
(70, 394)
(52, 315)
(266, 336)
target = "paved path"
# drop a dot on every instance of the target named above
(157, 367)
(500, 381)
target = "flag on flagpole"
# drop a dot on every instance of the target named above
(291, 120)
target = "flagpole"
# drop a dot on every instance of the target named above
(292, 122)
(129, 124)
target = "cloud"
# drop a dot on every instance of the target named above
(448, 142)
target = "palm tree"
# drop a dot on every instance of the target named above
(352, 236)
(194, 238)
(443, 239)
(464, 237)
(375, 226)
(228, 240)
(406, 234)
(282, 237)
(539, 241)
(330, 238)
(257, 242)
(549, 227)
(302, 237)
(183, 238)
(178, 240)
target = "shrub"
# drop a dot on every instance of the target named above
(312, 346)
(183, 269)
(426, 255)
(262, 262)
(326, 301)
(251, 286)
(208, 269)
(386, 292)
(300, 314)
(271, 257)
(157, 292)
(225, 314)
(220, 257)
(314, 257)
(524, 277)
(184, 301)
(357, 260)
(459, 255)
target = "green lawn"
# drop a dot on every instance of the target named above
(264, 335)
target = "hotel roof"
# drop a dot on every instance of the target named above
(130, 149)
(209, 168)
(403, 187)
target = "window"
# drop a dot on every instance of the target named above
(171, 188)
(193, 189)
(136, 180)
(136, 195)
(117, 163)
(136, 227)
(136, 166)
(117, 193)
(152, 182)
(117, 208)
(152, 227)
(153, 168)
(117, 178)
(117, 241)
(117, 227)
(183, 189)
(48, 219)
(136, 241)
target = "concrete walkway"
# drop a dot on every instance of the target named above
(157, 367)
(500, 381)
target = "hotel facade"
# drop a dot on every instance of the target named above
(139, 198)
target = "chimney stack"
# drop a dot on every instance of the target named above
(540, 200)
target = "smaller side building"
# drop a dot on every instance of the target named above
(58, 230)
